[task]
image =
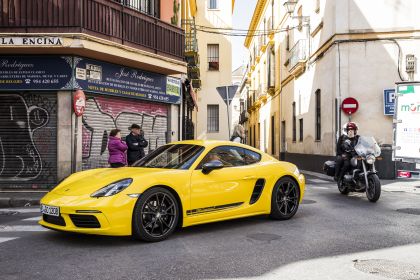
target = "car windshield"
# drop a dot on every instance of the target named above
(178, 156)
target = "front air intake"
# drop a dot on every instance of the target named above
(85, 221)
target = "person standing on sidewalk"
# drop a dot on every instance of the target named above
(117, 149)
(136, 144)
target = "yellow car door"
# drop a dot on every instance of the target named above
(222, 192)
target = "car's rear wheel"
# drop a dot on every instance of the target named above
(285, 199)
(155, 215)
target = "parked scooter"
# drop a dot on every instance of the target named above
(362, 175)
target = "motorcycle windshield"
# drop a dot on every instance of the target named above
(366, 145)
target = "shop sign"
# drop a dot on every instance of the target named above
(106, 78)
(31, 41)
(35, 72)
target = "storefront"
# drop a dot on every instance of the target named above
(38, 128)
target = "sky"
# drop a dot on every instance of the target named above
(242, 15)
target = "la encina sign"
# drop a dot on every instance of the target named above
(31, 41)
(91, 76)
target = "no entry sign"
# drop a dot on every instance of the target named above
(349, 105)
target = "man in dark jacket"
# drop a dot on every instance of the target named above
(345, 147)
(136, 144)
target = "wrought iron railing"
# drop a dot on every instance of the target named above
(298, 53)
(111, 20)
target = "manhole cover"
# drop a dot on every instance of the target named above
(264, 236)
(389, 269)
(308, 201)
(413, 211)
(8, 213)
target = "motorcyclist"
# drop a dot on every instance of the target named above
(345, 150)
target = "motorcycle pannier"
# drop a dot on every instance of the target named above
(329, 168)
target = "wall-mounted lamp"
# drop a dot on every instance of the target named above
(290, 6)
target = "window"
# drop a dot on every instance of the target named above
(318, 115)
(255, 140)
(251, 157)
(150, 7)
(294, 121)
(229, 155)
(287, 39)
(212, 118)
(300, 130)
(273, 141)
(213, 56)
(213, 4)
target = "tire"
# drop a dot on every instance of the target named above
(284, 199)
(373, 190)
(155, 215)
(342, 188)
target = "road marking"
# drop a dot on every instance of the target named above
(317, 181)
(21, 228)
(33, 219)
(5, 239)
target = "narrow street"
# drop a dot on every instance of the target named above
(331, 237)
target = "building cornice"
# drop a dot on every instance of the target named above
(259, 8)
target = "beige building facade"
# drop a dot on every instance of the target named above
(215, 69)
(326, 51)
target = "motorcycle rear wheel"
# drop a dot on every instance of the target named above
(373, 190)
(342, 188)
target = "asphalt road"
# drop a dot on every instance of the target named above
(331, 237)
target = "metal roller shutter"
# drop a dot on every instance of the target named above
(104, 113)
(28, 140)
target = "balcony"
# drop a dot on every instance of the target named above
(243, 117)
(105, 19)
(262, 93)
(297, 58)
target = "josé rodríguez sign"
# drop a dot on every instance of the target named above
(107, 78)
(349, 105)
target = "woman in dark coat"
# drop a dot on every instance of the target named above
(117, 149)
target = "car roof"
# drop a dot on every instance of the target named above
(214, 143)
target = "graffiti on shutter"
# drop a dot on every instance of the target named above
(102, 114)
(28, 140)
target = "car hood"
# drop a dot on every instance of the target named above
(87, 182)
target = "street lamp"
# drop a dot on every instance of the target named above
(290, 6)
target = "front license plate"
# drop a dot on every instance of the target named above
(50, 210)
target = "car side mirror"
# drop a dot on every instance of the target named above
(212, 165)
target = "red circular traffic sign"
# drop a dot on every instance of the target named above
(79, 102)
(349, 105)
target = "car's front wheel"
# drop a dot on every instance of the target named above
(285, 199)
(155, 215)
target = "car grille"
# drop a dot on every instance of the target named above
(85, 221)
(54, 220)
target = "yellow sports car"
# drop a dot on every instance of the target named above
(177, 185)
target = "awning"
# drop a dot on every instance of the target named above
(193, 96)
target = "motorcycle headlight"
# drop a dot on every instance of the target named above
(113, 188)
(370, 159)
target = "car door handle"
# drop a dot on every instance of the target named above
(249, 177)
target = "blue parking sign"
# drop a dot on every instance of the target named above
(389, 102)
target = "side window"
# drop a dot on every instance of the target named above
(229, 155)
(251, 157)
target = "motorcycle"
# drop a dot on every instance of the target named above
(362, 175)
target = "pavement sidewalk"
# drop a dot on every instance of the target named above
(22, 198)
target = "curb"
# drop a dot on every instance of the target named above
(318, 175)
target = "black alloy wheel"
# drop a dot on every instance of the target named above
(285, 199)
(342, 188)
(155, 215)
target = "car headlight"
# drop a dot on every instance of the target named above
(370, 159)
(113, 188)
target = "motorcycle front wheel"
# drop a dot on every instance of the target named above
(373, 190)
